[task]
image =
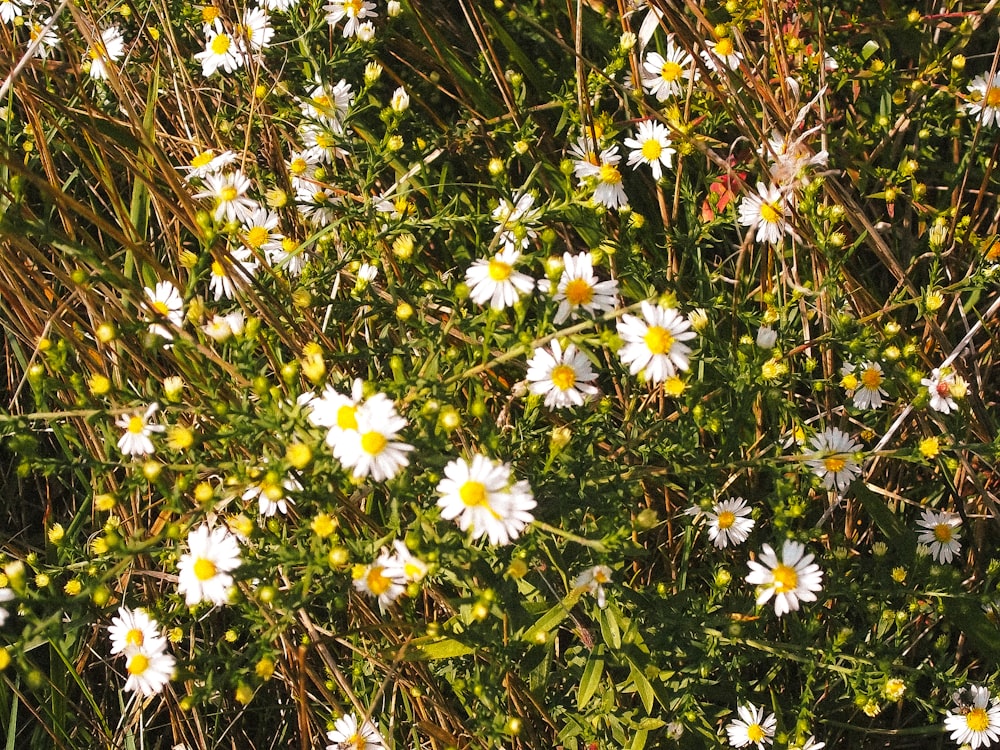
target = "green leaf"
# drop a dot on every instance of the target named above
(639, 740)
(591, 678)
(430, 648)
(553, 617)
(642, 686)
(610, 630)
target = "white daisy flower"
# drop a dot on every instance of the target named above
(668, 74)
(939, 531)
(496, 281)
(370, 449)
(767, 211)
(287, 254)
(272, 494)
(864, 384)
(751, 728)
(384, 579)
(109, 49)
(721, 53)
(258, 231)
(204, 570)
(164, 303)
(944, 388)
(231, 275)
(10, 9)
(651, 145)
(222, 50)
(135, 441)
(43, 31)
(207, 162)
(414, 569)
(609, 191)
(149, 671)
(654, 343)
(6, 595)
(329, 104)
(579, 288)
(793, 578)
(833, 458)
(586, 162)
(400, 101)
(809, 744)
(730, 522)
(514, 219)
(257, 28)
(984, 100)
(229, 191)
(976, 722)
(481, 500)
(565, 378)
(592, 581)
(348, 734)
(221, 328)
(354, 11)
(132, 630)
(767, 337)
(280, 6)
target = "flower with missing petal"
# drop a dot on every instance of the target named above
(789, 580)
(751, 728)
(976, 721)
(833, 458)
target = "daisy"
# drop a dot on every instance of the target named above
(721, 51)
(164, 303)
(203, 571)
(43, 32)
(355, 11)
(136, 439)
(414, 569)
(222, 50)
(592, 581)
(940, 533)
(207, 162)
(809, 744)
(226, 278)
(984, 100)
(766, 338)
(730, 522)
(481, 500)
(768, 212)
(944, 388)
(651, 145)
(496, 281)
(976, 721)
(347, 734)
(329, 104)
(257, 28)
(609, 191)
(287, 254)
(149, 671)
(229, 191)
(654, 343)
(370, 448)
(257, 231)
(109, 49)
(9, 10)
(272, 495)
(333, 409)
(514, 219)
(281, 6)
(668, 74)
(315, 203)
(586, 162)
(833, 458)
(579, 289)
(134, 630)
(864, 383)
(383, 579)
(790, 580)
(751, 727)
(221, 328)
(6, 595)
(565, 378)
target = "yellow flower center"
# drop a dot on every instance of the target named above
(298, 166)
(785, 578)
(724, 47)
(209, 13)
(992, 97)
(473, 493)
(352, 7)
(220, 45)
(322, 101)
(977, 720)
(579, 292)
(726, 519)
(563, 377)
(377, 583)
(673, 386)
(138, 663)
(770, 213)
(134, 637)
(670, 71)
(373, 442)
(228, 193)
(217, 269)
(161, 307)
(203, 569)
(651, 150)
(833, 464)
(871, 378)
(256, 237)
(658, 339)
(97, 51)
(500, 271)
(610, 174)
(202, 159)
(849, 381)
(136, 425)
(943, 533)
(324, 140)
(346, 417)
(755, 733)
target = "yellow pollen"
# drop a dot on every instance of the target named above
(217, 269)
(871, 378)
(136, 425)
(579, 292)
(228, 193)
(500, 271)
(992, 97)
(473, 493)
(610, 174)
(298, 166)
(203, 569)
(134, 637)
(834, 464)
(659, 340)
(724, 47)
(138, 663)
(785, 578)
(770, 213)
(220, 45)
(377, 583)
(563, 377)
(320, 197)
(670, 71)
(256, 237)
(209, 13)
(322, 101)
(943, 533)
(726, 519)
(651, 150)
(352, 8)
(346, 417)
(202, 159)
(755, 733)
(324, 140)
(161, 307)
(977, 720)
(97, 51)
(373, 443)
(849, 381)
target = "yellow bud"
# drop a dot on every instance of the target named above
(265, 668)
(73, 587)
(106, 333)
(299, 455)
(98, 385)
(56, 533)
(244, 694)
(323, 525)
(4, 658)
